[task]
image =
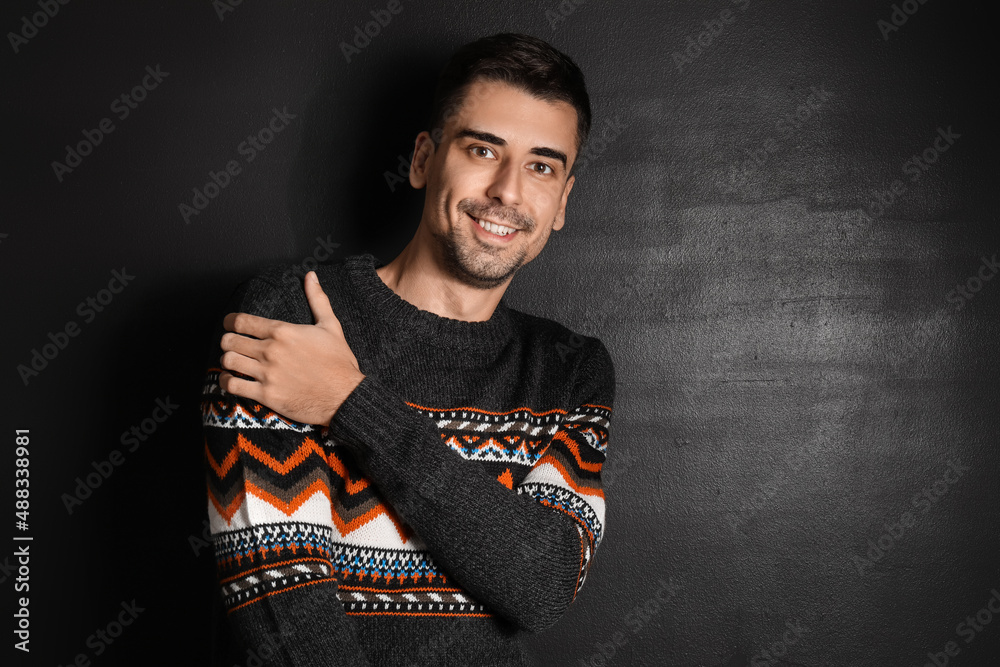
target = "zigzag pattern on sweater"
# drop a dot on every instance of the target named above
(290, 508)
(247, 586)
(570, 503)
(264, 478)
(269, 559)
(299, 539)
(219, 414)
(516, 436)
(348, 562)
(289, 483)
(591, 422)
(409, 601)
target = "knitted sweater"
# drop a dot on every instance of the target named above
(453, 502)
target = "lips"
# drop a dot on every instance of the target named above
(506, 236)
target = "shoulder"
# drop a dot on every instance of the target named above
(584, 361)
(277, 291)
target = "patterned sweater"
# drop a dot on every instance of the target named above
(453, 502)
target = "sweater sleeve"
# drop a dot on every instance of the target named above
(269, 510)
(524, 552)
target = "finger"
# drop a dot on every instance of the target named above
(240, 387)
(319, 302)
(233, 361)
(248, 347)
(245, 323)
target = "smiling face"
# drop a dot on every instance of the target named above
(503, 161)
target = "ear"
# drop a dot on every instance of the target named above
(423, 151)
(561, 213)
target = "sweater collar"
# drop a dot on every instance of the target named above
(394, 311)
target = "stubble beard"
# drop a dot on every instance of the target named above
(475, 262)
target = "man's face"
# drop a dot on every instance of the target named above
(503, 158)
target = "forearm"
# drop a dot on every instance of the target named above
(520, 558)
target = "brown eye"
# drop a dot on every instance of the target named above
(544, 166)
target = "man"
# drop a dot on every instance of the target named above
(416, 478)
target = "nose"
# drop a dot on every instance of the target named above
(505, 188)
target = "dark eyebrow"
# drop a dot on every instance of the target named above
(491, 138)
(551, 153)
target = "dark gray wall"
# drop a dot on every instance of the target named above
(795, 364)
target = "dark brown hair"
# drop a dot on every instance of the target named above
(527, 62)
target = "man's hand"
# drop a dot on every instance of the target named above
(303, 371)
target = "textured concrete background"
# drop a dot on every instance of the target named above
(804, 320)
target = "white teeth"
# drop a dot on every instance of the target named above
(496, 229)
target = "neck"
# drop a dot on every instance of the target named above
(417, 275)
